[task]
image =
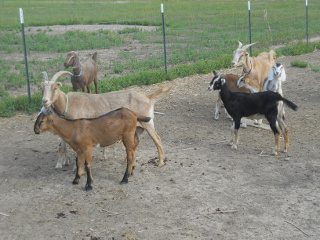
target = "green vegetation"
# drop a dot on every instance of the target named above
(314, 67)
(200, 36)
(299, 63)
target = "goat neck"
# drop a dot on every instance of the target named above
(60, 105)
(77, 71)
(225, 93)
(247, 66)
(59, 126)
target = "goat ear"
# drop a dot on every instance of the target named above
(283, 75)
(214, 72)
(57, 85)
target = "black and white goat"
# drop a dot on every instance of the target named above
(273, 82)
(231, 81)
(240, 105)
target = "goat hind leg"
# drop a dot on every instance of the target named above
(273, 126)
(284, 131)
(95, 81)
(130, 163)
(149, 126)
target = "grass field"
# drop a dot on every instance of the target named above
(200, 36)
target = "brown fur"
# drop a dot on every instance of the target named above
(88, 70)
(83, 134)
(83, 105)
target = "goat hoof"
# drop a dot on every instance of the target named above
(124, 181)
(285, 150)
(76, 181)
(160, 164)
(234, 147)
(58, 165)
(88, 188)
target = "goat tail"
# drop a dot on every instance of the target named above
(160, 91)
(94, 56)
(289, 104)
(143, 119)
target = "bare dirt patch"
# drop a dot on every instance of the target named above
(205, 190)
(60, 29)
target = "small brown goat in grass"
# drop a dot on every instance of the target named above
(84, 134)
(84, 73)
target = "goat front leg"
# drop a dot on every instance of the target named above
(216, 113)
(105, 153)
(232, 136)
(234, 131)
(62, 154)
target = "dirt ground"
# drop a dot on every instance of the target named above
(206, 190)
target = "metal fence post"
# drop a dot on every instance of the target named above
(25, 53)
(249, 16)
(164, 39)
(307, 24)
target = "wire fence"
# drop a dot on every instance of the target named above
(205, 34)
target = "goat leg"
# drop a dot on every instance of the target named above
(77, 178)
(130, 147)
(62, 154)
(235, 128)
(89, 177)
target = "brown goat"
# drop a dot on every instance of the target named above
(76, 105)
(84, 134)
(84, 73)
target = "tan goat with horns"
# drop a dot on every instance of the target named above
(76, 105)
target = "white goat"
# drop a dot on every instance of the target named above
(256, 68)
(276, 76)
(86, 133)
(76, 105)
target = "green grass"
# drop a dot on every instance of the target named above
(200, 36)
(299, 63)
(314, 67)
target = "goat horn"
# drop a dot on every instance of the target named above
(240, 44)
(248, 45)
(45, 75)
(58, 74)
